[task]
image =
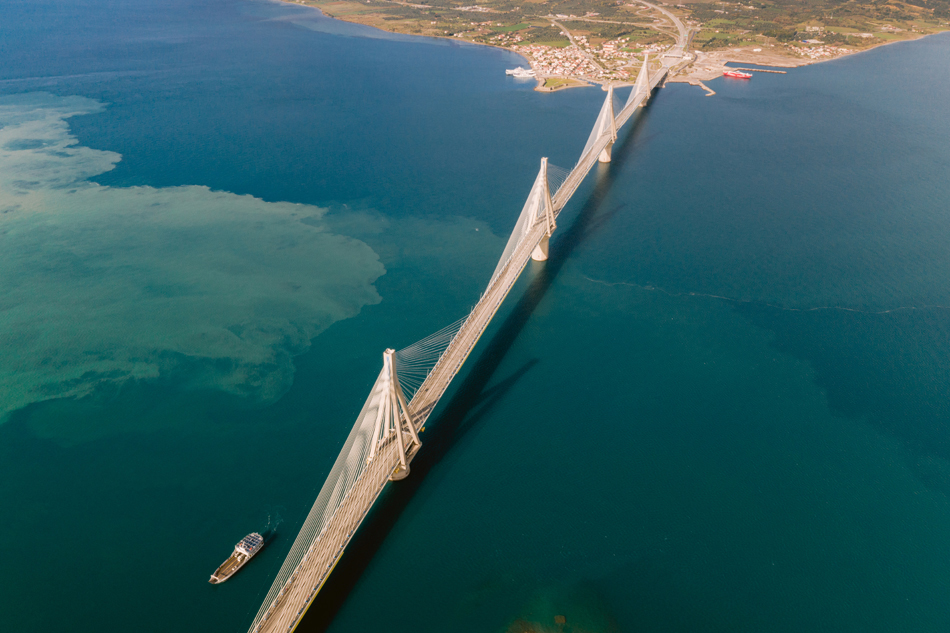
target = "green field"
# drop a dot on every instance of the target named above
(509, 29)
(555, 82)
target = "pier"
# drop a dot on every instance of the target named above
(762, 70)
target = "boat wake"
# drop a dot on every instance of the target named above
(270, 530)
(763, 303)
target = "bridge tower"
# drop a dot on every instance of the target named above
(607, 122)
(643, 82)
(540, 252)
(394, 419)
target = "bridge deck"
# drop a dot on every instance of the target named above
(304, 584)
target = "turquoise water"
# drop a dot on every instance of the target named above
(721, 405)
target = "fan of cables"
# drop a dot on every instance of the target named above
(413, 363)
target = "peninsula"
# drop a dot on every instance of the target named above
(579, 42)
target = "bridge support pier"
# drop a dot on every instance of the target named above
(605, 154)
(540, 252)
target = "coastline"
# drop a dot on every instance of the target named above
(705, 67)
(573, 82)
(419, 35)
(720, 61)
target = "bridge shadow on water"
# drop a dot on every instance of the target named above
(473, 400)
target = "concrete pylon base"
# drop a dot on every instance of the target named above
(605, 154)
(400, 474)
(540, 252)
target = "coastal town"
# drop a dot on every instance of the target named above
(820, 51)
(615, 60)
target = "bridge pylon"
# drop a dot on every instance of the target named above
(642, 86)
(607, 121)
(540, 252)
(394, 419)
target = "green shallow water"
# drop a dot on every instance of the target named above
(720, 406)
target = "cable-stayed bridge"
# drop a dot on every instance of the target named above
(385, 438)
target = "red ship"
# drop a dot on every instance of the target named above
(737, 74)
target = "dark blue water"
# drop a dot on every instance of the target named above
(722, 405)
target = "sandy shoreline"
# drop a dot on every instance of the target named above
(715, 62)
(710, 65)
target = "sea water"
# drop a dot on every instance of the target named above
(720, 405)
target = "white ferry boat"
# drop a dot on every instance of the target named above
(243, 552)
(519, 72)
